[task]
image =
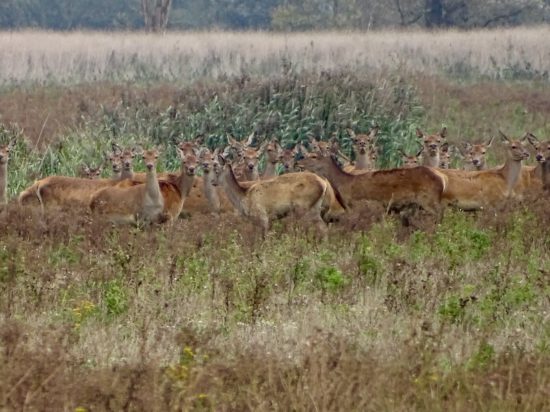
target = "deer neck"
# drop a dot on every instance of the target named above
(127, 174)
(251, 175)
(339, 179)
(234, 191)
(211, 191)
(3, 183)
(270, 169)
(431, 160)
(545, 172)
(184, 182)
(511, 172)
(152, 187)
(362, 161)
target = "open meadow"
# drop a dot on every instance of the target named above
(206, 314)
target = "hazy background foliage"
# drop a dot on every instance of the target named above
(275, 14)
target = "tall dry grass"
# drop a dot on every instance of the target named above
(35, 56)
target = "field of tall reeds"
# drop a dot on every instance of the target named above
(46, 57)
(206, 314)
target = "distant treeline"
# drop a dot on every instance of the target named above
(270, 14)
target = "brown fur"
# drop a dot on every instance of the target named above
(136, 203)
(472, 190)
(395, 188)
(266, 200)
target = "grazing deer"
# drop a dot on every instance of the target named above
(4, 157)
(363, 147)
(473, 190)
(395, 188)
(266, 200)
(409, 161)
(432, 145)
(138, 203)
(475, 155)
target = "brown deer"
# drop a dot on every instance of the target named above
(262, 202)
(70, 191)
(475, 155)
(364, 149)
(215, 196)
(4, 157)
(432, 145)
(137, 203)
(473, 190)
(395, 188)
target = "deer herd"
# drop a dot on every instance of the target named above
(318, 183)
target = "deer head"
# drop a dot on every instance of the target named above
(542, 149)
(476, 154)
(150, 158)
(432, 144)
(410, 161)
(89, 172)
(5, 152)
(272, 149)
(362, 143)
(189, 159)
(516, 148)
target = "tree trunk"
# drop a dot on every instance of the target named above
(434, 13)
(155, 14)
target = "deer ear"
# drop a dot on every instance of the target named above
(445, 147)
(374, 131)
(231, 141)
(419, 133)
(116, 148)
(222, 160)
(490, 142)
(250, 139)
(199, 139)
(443, 132)
(503, 136)
(216, 152)
(420, 151)
(532, 138)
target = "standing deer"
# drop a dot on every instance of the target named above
(395, 188)
(138, 203)
(70, 191)
(473, 190)
(432, 145)
(294, 193)
(4, 157)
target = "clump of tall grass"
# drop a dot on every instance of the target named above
(81, 57)
(291, 108)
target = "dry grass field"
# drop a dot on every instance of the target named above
(205, 314)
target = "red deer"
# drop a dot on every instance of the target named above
(294, 193)
(473, 190)
(138, 203)
(395, 188)
(69, 191)
(432, 144)
(4, 157)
